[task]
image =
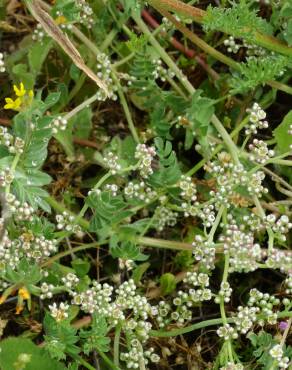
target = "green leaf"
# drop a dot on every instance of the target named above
(62, 334)
(283, 139)
(96, 338)
(37, 54)
(139, 271)
(80, 266)
(14, 350)
(167, 283)
(169, 171)
(82, 123)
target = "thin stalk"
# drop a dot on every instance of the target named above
(188, 329)
(216, 224)
(213, 52)
(201, 325)
(270, 232)
(124, 103)
(185, 82)
(125, 106)
(12, 170)
(198, 15)
(222, 306)
(80, 107)
(117, 345)
(164, 244)
(60, 255)
(108, 361)
(85, 363)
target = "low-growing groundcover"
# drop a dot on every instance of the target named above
(145, 184)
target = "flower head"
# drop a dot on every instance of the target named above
(23, 98)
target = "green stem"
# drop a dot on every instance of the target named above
(198, 15)
(60, 255)
(213, 52)
(222, 306)
(269, 229)
(215, 224)
(188, 329)
(85, 363)
(80, 107)
(117, 345)
(108, 361)
(185, 82)
(126, 109)
(164, 244)
(12, 170)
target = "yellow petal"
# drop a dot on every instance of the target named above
(19, 91)
(30, 93)
(24, 293)
(18, 310)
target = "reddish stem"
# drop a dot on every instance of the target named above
(179, 46)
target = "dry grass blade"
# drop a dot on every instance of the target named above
(63, 41)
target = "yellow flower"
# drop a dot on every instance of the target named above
(61, 20)
(19, 91)
(23, 98)
(12, 104)
(24, 293)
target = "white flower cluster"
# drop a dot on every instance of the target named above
(46, 291)
(265, 302)
(232, 45)
(104, 73)
(160, 72)
(59, 313)
(277, 353)
(185, 300)
(2, 64)
(38, 33)
(254, 51)
(224, 292)
(70, 280)
(13, 144)
(86, 13)
(145, 155)
(121, 306)
(288, 284)
(126, 264)
(280, 259)
(259, 151)
(207, 215)
(257, 119)
(140, 191)
(244, 253)
(65, 221)
(34, 248)
(280, 226)
(245, 318)
(111, 161)
(229, 177)
(112, 188)
(164, 217)
(227, 332)
(6, 177)
(20, 211)
(188, 189)
(204, 252)
(137, 355)
(59, 124)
